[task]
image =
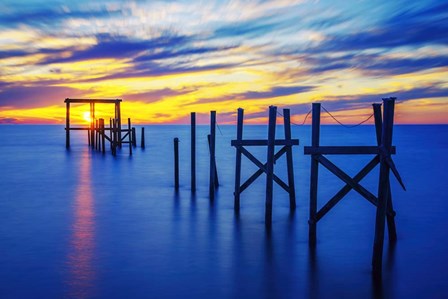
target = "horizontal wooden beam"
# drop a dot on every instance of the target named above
(345, 150)
(104, 101)
(261, 142)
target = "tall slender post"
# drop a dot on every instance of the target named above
(212, 154)
(97, 139)
(134, 138)
(92, 129)
(114, 137)
(103, 136)
(383, 188)
(390, 216)
(119, 123)
(193, 152)
(290, 166)
(270, 165)
(67, 123)
(142, 145)
(239, 138)
(216, 169)
(129, 136)
(176, 163)
(315, 135)
(111, 134)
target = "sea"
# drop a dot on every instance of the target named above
(79, 224)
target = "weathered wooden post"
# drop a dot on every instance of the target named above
(176, 163)
(118, 122)
(289, 163)
(134, 138)
(383, 188)
(67, 123)
(96, 134)
(103, 135)
(315, 136)
(212, 154)
(111, 135)
(88, 137)
(216, 169)
(270, 164)
(239, 138)
(193, 152)
(143, 138)
(129, 136)
(390, 216)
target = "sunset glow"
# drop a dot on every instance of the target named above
(166, 59)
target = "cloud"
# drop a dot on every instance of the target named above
(156, 95)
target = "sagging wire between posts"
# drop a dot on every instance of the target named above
(303, 123)
(344, 125)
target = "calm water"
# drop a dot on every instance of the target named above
(76, 224)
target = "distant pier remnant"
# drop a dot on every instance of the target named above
(212, 180)
(382, 151)
(176, 163)
(267, 167)
(96, 130)
(193, 152)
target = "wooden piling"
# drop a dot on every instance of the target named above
(67, 124)
(383, 188)
(212, 154)
(111, 131)
(270, 164)
(315, 136)
(216, 169)
(129, 136)
(390, 216)
(118, 123)
(103, 136)
(176, 163)
(193, 152)
(142, 145)
(134, 138)
(289, 163)
(239, 138)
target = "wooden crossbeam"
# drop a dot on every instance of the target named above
(345, 150)
(260, 171)
(263, 167)
(261, 142)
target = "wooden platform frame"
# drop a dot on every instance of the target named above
(267, 167)
(382, 152)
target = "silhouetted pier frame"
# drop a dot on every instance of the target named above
(267, 167)
(91, 127)
(382, 152)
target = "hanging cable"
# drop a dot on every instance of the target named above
(344, 125)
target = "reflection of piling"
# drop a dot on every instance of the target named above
(143, 138)
(193, 152)
(212, 155)
(176, 163)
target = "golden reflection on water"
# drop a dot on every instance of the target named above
(81, 276)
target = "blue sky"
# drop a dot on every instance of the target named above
(173, 57)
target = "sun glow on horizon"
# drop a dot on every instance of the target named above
(86, 116)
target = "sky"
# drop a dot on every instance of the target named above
(166, 59)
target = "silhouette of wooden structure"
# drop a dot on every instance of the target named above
(382, 152)
(267, 167)
(96, 130)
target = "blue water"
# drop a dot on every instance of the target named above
(77, 224)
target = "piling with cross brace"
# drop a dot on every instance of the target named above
(239, 138)
(315, 136)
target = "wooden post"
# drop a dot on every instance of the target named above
(134, 138)
(111, 134)
(239, 138)
(383, 188)
(103, 135)
(119, 123)
(193, 152)
(67, 124)
(290, 166)
(390, 216)
(129, 136)
(92, 131)
(216, 169)
(88, 136)
(270, 164)
(176, 163)
(97, 134)
(114, 138)
(315, 135)
(142, 145)
(212, 154)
